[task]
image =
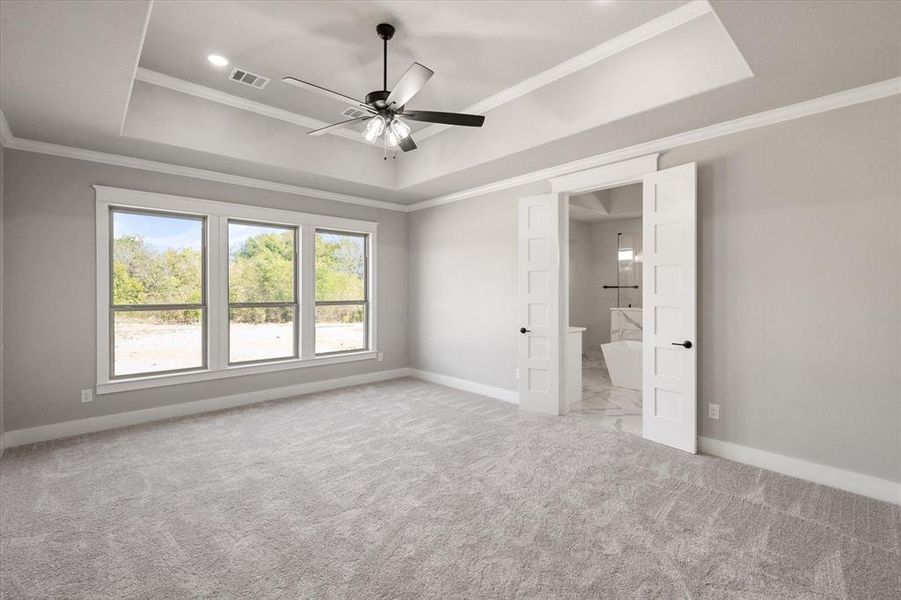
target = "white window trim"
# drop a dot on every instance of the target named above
(218, 215)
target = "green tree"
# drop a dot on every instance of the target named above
(340, 267)
(340, 275)
(127, 289)
(144, 275)
(261, 269)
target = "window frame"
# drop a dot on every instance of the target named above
(114, 308)
(366, 291)
(296, 289)
(215, 272)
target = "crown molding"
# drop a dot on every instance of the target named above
(14, 143)
(207, 93)
(866, 93)
(660, 25)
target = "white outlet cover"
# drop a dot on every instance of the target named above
(713, 411)
(87, 395)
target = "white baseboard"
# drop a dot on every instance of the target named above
(850, 481)
(20, 437)
(467, 386)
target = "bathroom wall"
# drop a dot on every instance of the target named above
(581, 276)
(593, 263)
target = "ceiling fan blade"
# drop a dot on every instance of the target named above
(312, 87)
(407, 144)
(334, 126)
(444, 118)
(409, 84)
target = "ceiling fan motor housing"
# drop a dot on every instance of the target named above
(377, 99)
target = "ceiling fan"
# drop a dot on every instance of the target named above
(385, 108)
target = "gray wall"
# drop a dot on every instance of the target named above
(799, 304)
(49, 297)
(581, 278)
(463, 318)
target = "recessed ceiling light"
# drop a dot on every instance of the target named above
(219, 61)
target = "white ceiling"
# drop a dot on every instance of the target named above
(475, 48)
(56, 81)
(68, 77)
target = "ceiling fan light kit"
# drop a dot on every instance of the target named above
(385, 107)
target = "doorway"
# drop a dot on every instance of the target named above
(549, 360)
(605, 306)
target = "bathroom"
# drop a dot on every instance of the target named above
(605, 298)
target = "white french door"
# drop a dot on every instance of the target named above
(669, 375)
(539, 303)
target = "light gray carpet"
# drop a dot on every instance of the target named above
(406, 489)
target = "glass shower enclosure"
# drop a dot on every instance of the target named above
(628, 272)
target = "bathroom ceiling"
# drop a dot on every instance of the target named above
(623, 202)
(652, 69)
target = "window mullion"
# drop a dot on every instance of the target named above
(307, 300)
(217, 293)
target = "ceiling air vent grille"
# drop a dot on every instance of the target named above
(248, 78)
(353, 113)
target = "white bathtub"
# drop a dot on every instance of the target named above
(623, 360)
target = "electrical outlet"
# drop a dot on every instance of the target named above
(713, 411)
(87, 395)
(381, 357)
(517, 373)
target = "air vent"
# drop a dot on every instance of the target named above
(353, 113)
(248, 78)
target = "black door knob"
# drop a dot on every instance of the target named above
(524, 330)
(685, 344)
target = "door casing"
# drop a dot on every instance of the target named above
(598, 178)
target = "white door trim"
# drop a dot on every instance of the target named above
(606, 176)
(598, 178)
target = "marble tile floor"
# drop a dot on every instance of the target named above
(614, 407)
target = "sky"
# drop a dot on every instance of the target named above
(239, 232)
(158, 231)
(163, 232)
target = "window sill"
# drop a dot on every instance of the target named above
(152, 381)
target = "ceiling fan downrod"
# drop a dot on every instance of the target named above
(386, 32)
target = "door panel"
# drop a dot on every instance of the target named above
(538, 299)
(669, 371)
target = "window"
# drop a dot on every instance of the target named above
(196, 290)
(157, 300)
(341, 294)
(262, 292)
